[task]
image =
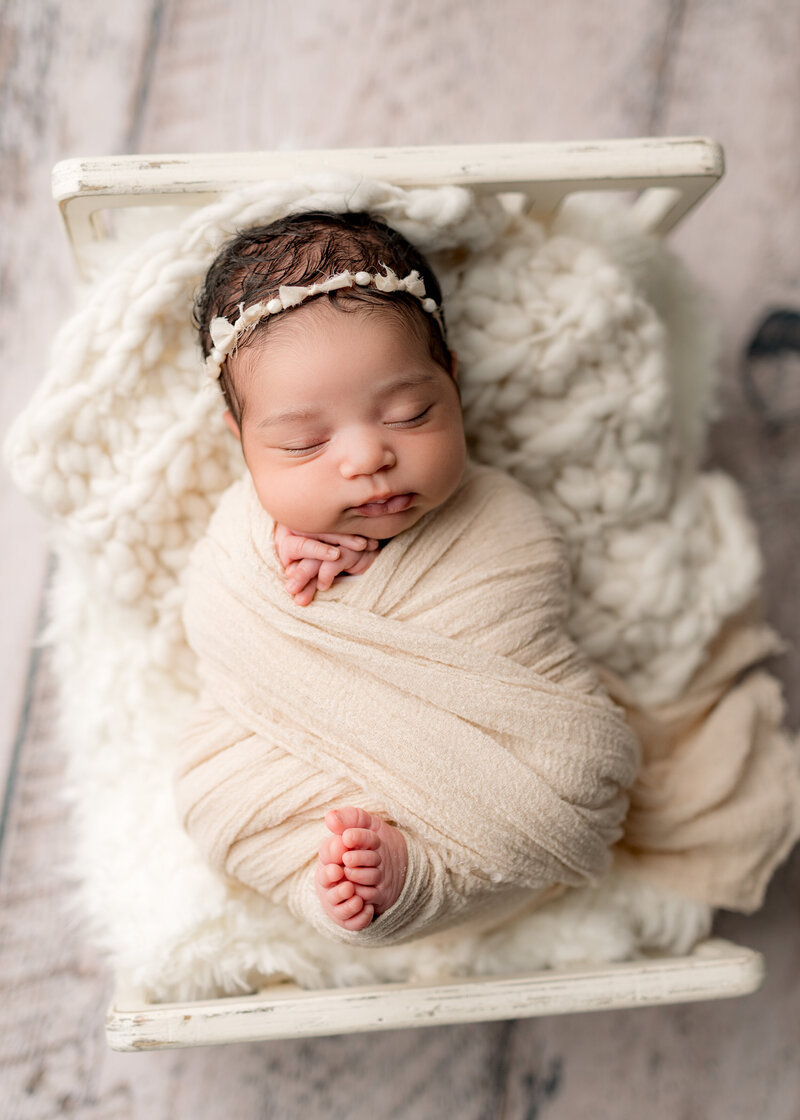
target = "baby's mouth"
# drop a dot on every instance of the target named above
(395, 503)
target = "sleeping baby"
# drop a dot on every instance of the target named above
(395, 734)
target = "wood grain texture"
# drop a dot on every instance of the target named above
(190, 75)
(715, 969)
(68, 76)
(318, 75)
(744, 249)
(671, 175)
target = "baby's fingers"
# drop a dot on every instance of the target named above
(350, 540)
(306, 548)
(361, 564)
(304, 597)
(299, 573)
(328, 571)
(291, 546)
(353, 562)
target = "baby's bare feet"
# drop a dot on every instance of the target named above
(361, 868)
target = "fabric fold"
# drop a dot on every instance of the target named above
(439, 689)
(715, 807)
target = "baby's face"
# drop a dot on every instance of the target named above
(349, 424)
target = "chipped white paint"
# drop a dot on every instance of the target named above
(716, 969)
(673, 174)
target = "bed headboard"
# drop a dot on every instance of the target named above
(668, 176)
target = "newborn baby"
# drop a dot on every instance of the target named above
(328, 337)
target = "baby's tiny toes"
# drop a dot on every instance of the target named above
(340, 892)
(349, 907)
(332, 849)
(361, 838)
(368, 894)
(361, 857)
(337, 820)
(361, 920)
(329, 873)
(366, 876)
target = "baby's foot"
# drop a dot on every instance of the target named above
(376, 856)
(335, 891)
(361, 869)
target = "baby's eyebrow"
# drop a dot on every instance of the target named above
(412, 381)
(290, 416)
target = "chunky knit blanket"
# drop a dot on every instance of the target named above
(439, 689)
(586, 358)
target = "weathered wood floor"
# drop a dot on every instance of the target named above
(189, 75)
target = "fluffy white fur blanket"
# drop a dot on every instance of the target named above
(585, 356)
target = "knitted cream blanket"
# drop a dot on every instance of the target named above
(440, 689)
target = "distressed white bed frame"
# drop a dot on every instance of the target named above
(668, 176)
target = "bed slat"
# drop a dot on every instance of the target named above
(716, 969)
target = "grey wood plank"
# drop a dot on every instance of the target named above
(48, 1008)
(401, 72)
(733, 1060)
(192, 75)
(743, 247)
(67, 76)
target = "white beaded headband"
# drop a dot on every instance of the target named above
(225, 335)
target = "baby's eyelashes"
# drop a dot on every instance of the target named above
(412, 421)
(299, 452)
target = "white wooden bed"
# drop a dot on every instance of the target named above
(666, 178)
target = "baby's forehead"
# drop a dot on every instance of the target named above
(310, 330)
(334, 356)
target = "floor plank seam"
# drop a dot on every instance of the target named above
(142, 93)
(23, 724)
(666, 64)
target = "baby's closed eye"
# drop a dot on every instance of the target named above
(412, 420)
(306, 447)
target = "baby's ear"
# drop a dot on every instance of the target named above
(230, 423)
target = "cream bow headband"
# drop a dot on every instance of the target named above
(225, 335)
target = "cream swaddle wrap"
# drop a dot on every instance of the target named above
(439, 689)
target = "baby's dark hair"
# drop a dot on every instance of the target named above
(306, 248)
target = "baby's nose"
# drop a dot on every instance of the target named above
(366, 453)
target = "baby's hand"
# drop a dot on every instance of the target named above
(313, 563)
